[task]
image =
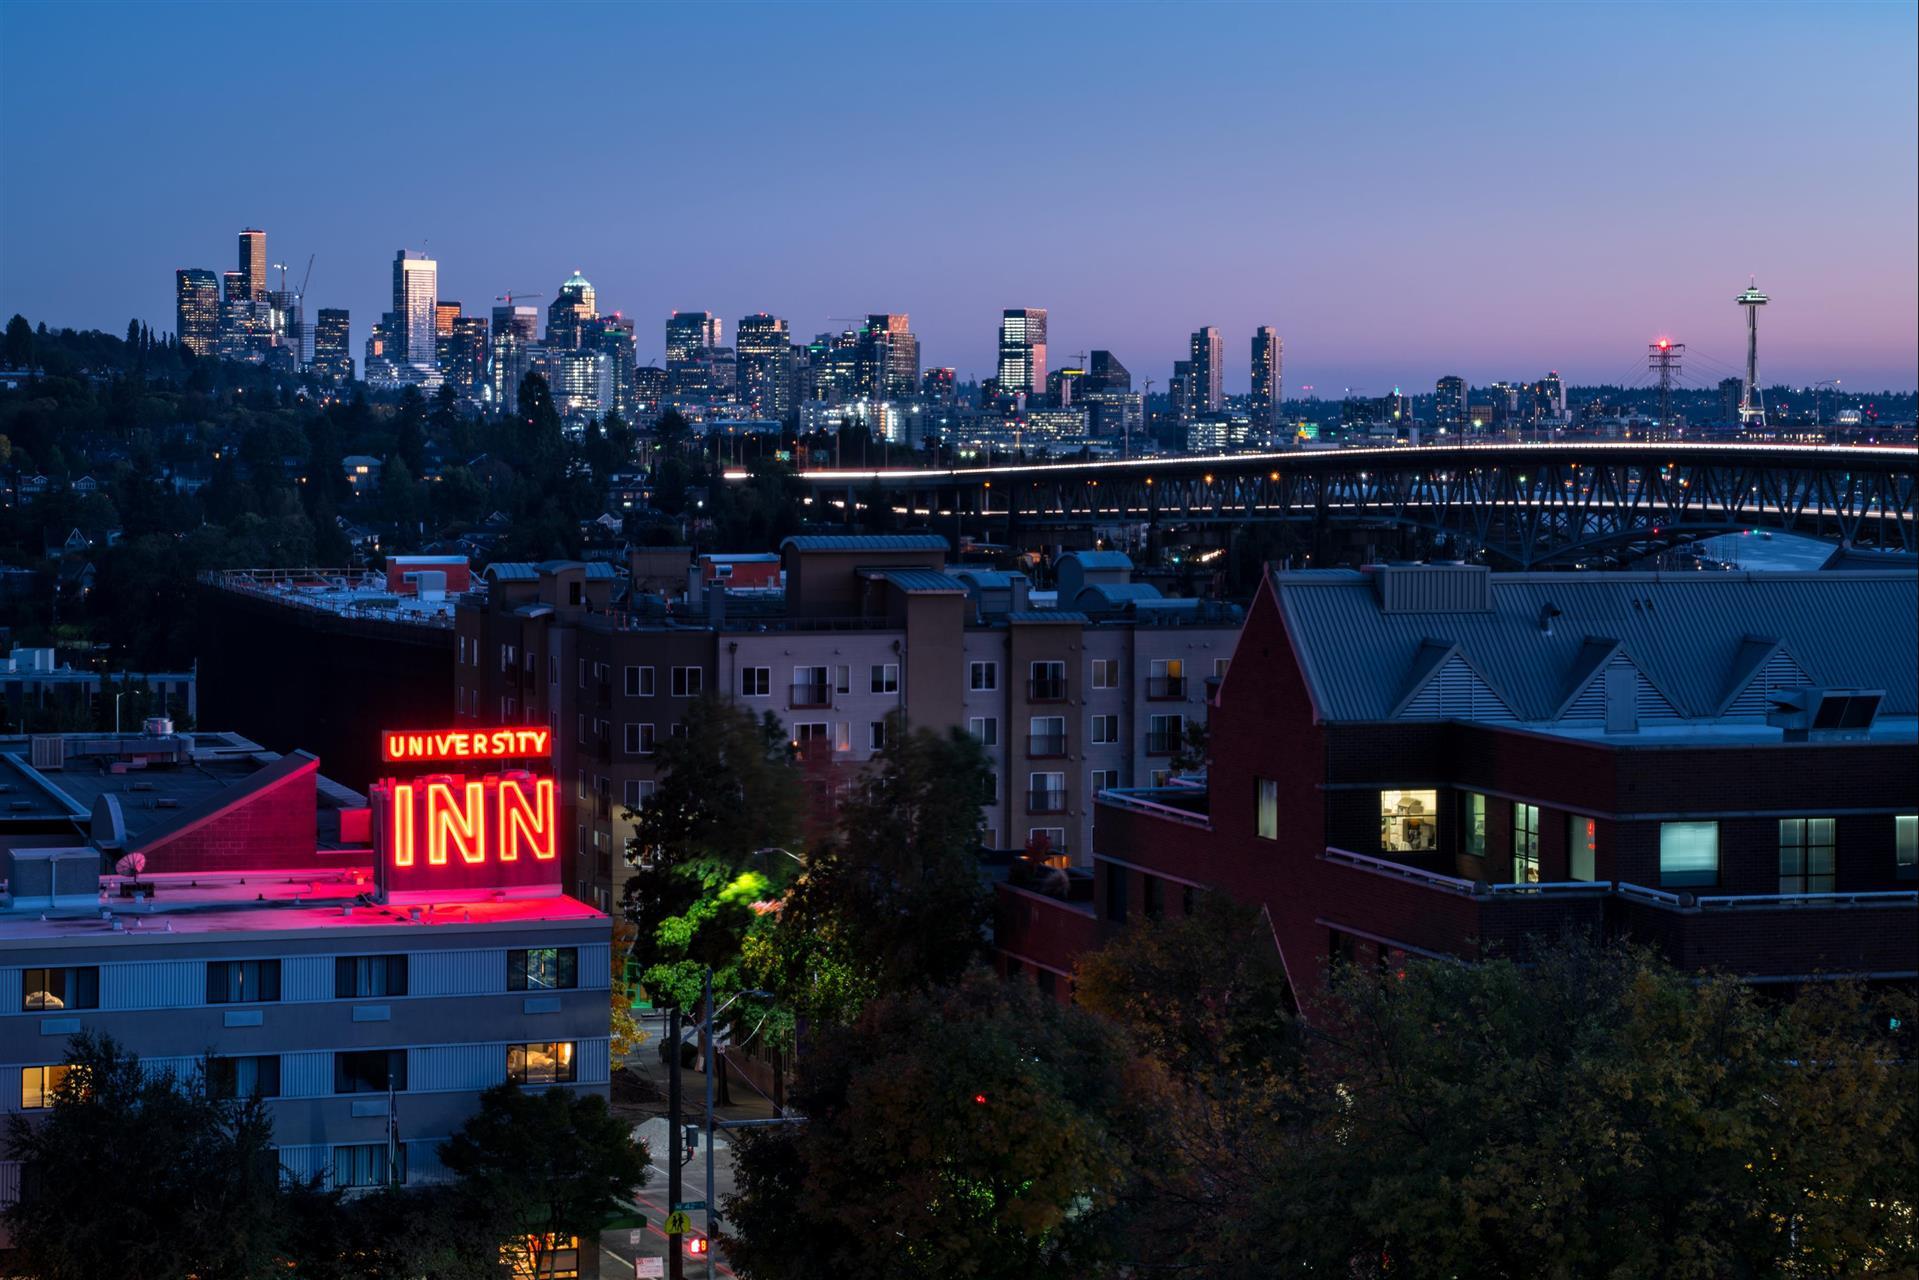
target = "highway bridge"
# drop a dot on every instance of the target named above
(1524, 505)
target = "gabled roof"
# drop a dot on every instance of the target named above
(1437, 659)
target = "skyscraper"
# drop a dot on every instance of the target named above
(612, 335)
(1449, 403)
(332, 349)
(515, 329)
(936, 386)
(415, 301)
(1268, 378)
(444, 314)
(463, 358)
(887, 363)
(1022, 350)
(1113, 408)
(1180, 400)
(567, 314)
(196, 309)
(253, 263)
(686, 333)
(763, 347)
(1208, 384)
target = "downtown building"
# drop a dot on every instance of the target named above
(1269, 382)
(1100, 691)
(1433, 760)
(1022, 351)
(274, 938)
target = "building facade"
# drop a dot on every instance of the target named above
(1269, 375)
(1208, 359)
(763, 350)
(415, 311)
(1022, 351)
(196, 309)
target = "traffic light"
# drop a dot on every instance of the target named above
(979, 1099)
(696, 1246)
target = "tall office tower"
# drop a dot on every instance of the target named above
(253, 264)
(444, 314)
(1022, 350)
(1209, 360)
(463, 355)
(936, 386)
(1552, 395)
(613, 336)
(763, 348)
(1063, 387)
(805, 384)
(888, 360)
(1180, 400)
(687, 332)
(196, 309)
(235, 341)
(649, 394)
(1268, 378)
(332, 350)
(515, 330)
(416, 285)
(719, 372)
(567, 314)
(582, 381)
(1449, 403)
(1113, 408)
(287, 327)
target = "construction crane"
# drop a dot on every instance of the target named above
(510, 294)
(307, 279)
(281, 267)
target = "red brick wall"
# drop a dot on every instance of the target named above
(271, 828)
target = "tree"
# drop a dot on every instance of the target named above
(971, 1131)
(627, 1035)
(197, 1177)
(541, 1168)
(19, 342)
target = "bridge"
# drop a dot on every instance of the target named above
(1525, 505)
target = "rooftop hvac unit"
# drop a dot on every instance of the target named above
(49, 751)
(1824, 714)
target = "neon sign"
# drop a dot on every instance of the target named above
(462, 820)
(406, 746)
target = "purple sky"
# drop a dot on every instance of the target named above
(1403, 192)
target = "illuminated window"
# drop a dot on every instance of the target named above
(251, 1077)
(1808, 857)
(243, 981)
(543, 969)
(1473, 818)
(370, 1071)
(1408, 821)
(549, 1062)
(1525, 843)
(1267, 816)
(550, 1257)
(1688, 853)
(369, 1164)
(1905, 846)
(37, 1086)
(363, 977)
(1582, 847)
(43, 989)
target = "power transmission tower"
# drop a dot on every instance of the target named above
(1662, 358)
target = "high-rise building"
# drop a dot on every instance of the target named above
(463, 354)
(444, 314)
(1552, 395)
(686, 333)
(1268, 378)
(613, 335)
(649, 394)
(196, 309)
(763, 350)
(582, 381)
(1113, 408)
(287, 329)
(1449, 403)
(1022, 350)
(1208, 358)
(567, 314)
(332, 349)
(253, 264)
(515, 331)
(238, 323)
(415, 301)
(888, 359)
(1179, 393)
(936, 386)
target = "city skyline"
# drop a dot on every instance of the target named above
(1397, 233)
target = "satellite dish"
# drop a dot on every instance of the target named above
(132, 865)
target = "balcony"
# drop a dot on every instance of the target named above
(1778, 936)
(1045, 746)
(1165, 742)
(1046, 801)
(1428, 913)
(1046, 689)
(1166, 689)
(811, 695)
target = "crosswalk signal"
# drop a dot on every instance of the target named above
(696, 1246)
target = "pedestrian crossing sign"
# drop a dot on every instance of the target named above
(678, 1224)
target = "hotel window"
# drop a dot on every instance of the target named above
(365, 1165)
(843, 735)
(985, 729)
(809, 731)
(1688, 853)
(1808, 856)
(1105, 673)
(363, 977)
(1525, 843)
(1105, 730)
(1408, 821)
(639, 682)
(1046, 792)
(843, 679)
(1473, 819)
(1266, 817)
(639, 739)
(251, 1077)
(756, 682)
(37, 1086)
(638, 792)
(1219, 667)
(886, 677)
(1046, 680)
(1050, 839)
(1104, 780)
(982, 676)
(546, 1062)
(558, 1257)
(370, 1071)
(1166, 678)
(1905, 846)
(553, 669)
(1582, 847)
(543, 969)
(243, 981)
(44, 989)
(1165, 734)
(688, 681)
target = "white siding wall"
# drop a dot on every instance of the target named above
(153, 984)
(306, 1075)
(456, 973)
(455, 1066)
(306, 978)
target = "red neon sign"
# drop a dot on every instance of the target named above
(444, 837)
(418, 745)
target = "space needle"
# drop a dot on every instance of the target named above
(1752, 408)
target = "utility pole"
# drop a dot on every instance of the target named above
(712, 1052)
(675, 1252)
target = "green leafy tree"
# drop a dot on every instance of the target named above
(540, 1168)
(973, 1131)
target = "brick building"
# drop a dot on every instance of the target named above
(1435, 760)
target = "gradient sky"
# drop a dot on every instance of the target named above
(1403, 192)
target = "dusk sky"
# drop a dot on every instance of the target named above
(1403, 192)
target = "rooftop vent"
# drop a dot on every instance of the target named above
(1835, 715)
(1434, 588)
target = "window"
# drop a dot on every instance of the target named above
(1046, 681)
(242, 981)
(1046, 736)
(1473, 820)
(843, 735)
(640, 739)
(984, 728)
(359, 977)
(1688, 853)
(1166, 678)
(582, 671)
(253, 1077)
(1105, 730)
(1525, 843)
(1115, 894)
(843, 678)
(365, 1165)
(1808, 856)
(1905, 846)
(1047, 842)
(808, 731)
(876, 735)
(1266, 815)
(1582, 847)
(1219, 667)
(688, 681)
(1046, 793)
(1153, 897)
(43, 989)
(982, 676)
(886, 677)
(1407, 821)
(756, 682)
(810, 687)
(370, 1071)
(543, 969)
(558, 1257)
(639, 792)
(37, 1086)
(1104, 780)
(548, 1062)
(1105, 673)
(1165, 734)
(639, 682)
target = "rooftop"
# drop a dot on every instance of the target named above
(346, 593)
